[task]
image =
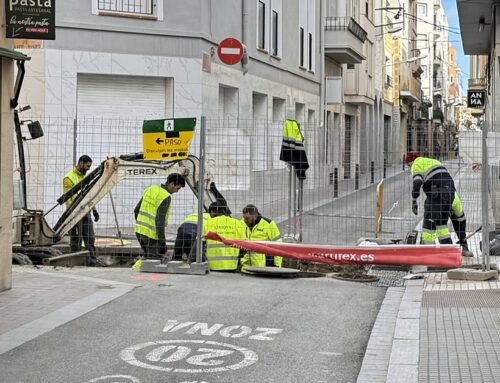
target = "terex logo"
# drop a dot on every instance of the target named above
(142, 172)
(30, 3)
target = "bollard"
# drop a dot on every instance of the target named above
(372, 172)
(404, 162)
(335, 183)
(385, 167)
(356, 177)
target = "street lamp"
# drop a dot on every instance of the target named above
(413, 59)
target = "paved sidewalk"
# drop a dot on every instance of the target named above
(436, 330)
(40, 301)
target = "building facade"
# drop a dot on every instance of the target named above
(116, 63)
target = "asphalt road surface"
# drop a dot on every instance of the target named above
(216, 328)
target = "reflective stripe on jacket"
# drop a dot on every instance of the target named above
(263, 230)
(152, 198)
(428, 172)
(220, 256)
(71, 179)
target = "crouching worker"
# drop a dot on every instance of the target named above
(186, 237)
(151, 217)
(259, 228)
(219, 256)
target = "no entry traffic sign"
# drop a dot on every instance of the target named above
(230, 51)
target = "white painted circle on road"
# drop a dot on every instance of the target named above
(188, 356)
(115, 379)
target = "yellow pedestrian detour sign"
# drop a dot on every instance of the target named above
(167, 139)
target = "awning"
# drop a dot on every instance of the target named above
(14, 55)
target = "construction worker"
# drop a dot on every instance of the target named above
(442, 201)
(83, 230)
(186, 236)
(219, 256)
(259, 228)
(151, 215)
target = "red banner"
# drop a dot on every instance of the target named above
(423, 255)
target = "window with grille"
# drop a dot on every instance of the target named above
(129, 8)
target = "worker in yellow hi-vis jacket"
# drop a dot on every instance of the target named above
(259, 228)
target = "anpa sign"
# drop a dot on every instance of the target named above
(476, 99)
(30, 19)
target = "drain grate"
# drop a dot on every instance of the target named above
(388, 278)
(462, 298)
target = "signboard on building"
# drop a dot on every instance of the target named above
(167, 140)
(476, 98)
(30, 19)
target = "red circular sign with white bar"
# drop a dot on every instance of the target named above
(230, 51)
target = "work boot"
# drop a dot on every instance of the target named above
(465, 250)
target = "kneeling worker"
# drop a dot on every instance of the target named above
(259, 228)
(219, 256)
(151, 215)
(186, 236)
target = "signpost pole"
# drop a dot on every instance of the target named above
(201, 193)
(485, 202)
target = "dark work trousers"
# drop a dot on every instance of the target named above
(152, 248)
(84, 231)
(185, 240)
(437, 209)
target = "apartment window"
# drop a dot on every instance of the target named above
(145, 9)
(307, 34)
(422, 9)
(310, 44)
(274, 34)
(261, 36)
(301, 52)
(367, 9)
(269, 21)
(350, 66)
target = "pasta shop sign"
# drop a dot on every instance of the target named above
(30, 19)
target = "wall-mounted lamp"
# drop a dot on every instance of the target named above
(481, 25)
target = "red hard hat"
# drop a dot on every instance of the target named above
(412, 156)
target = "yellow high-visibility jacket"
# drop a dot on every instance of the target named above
(220, 256)
(264, 230)
(70, 179)
(155, 203)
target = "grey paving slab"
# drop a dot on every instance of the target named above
(26, 315)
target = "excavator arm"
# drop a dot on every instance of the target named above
(95, 186)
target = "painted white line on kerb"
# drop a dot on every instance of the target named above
(230, 51)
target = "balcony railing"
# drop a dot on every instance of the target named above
(345, 23)
(477, 83)
(132, 7)
(437, 114)
(436, 84)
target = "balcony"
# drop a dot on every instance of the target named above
(477, 83)
(344, 40)
(438, 61)
(409, 86)
(409, 89)
(437, 115)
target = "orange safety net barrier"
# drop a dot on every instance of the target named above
(423, 255)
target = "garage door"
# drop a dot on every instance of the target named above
(111, 109)
(110, 112)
